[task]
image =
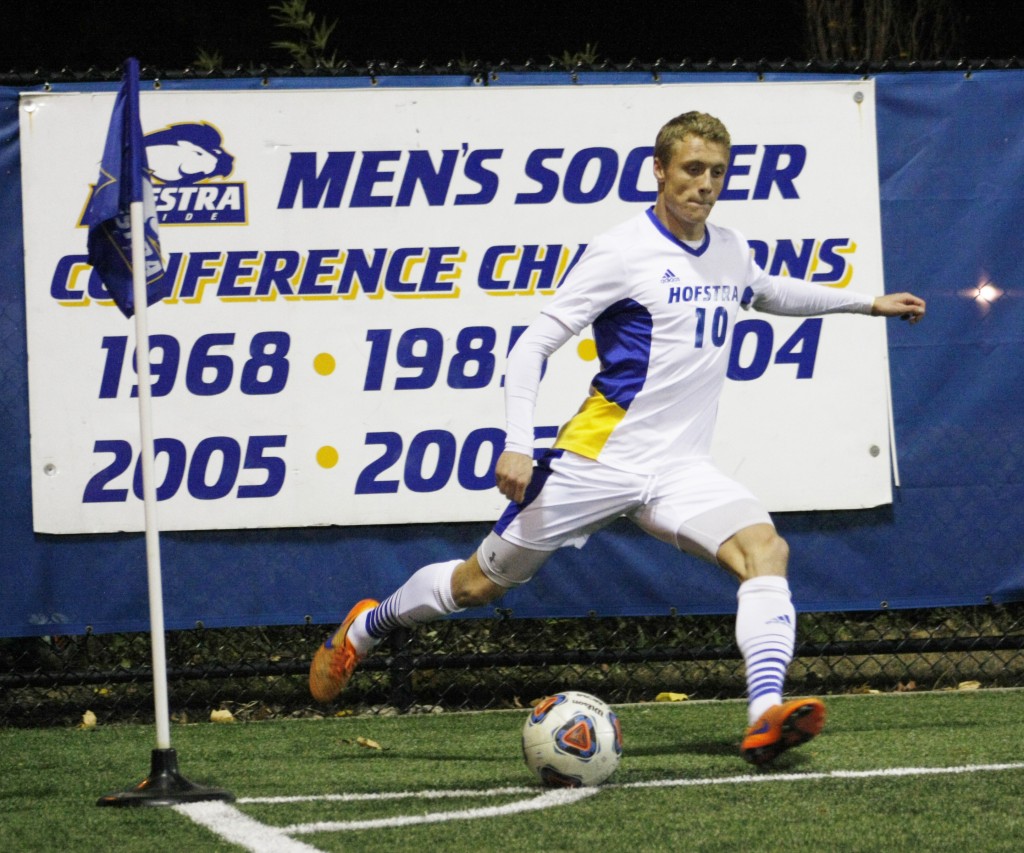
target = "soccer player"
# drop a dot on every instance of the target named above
(639, 446)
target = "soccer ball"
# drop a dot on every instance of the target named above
(572, 739)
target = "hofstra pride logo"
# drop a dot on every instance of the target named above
(189, 166)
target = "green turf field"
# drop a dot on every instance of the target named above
(915, 772)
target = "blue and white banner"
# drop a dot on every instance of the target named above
(241, 265)
(346, 271)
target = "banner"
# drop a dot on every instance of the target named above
(350, 269)
(950, 537)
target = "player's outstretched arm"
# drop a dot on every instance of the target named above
(906, 306)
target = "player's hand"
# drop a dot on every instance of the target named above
(513, 474)
(906, 306)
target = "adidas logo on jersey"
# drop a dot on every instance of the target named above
(784, 619)
(669, 277)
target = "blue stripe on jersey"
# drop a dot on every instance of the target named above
(700, 250)
(540, 476)
(622, 333)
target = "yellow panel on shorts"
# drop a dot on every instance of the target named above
(589, 429)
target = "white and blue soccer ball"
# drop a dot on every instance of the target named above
(572, 739)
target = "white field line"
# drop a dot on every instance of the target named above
(547, 800)
(231, 824)
(394, 795)
(833, 774)
(237, 827)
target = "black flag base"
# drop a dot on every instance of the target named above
(165, 786)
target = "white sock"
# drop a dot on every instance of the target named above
(766, 635)
(363, 642)
(426, 596)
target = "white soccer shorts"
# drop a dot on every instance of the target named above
(694, 507)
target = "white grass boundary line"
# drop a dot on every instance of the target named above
(547, 800)
(393, 795)
(832, 774)
(233, 825)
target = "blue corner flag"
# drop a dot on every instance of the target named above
(124, 178)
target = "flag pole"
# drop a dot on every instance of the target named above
(165, 785)
(148, 453)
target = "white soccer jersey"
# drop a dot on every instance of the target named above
(663, 314)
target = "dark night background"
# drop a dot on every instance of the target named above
(82, 34)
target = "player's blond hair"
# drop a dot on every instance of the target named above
(693, 123)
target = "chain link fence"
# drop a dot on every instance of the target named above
(484, 72)
(500, 662)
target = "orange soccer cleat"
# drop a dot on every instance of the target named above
(335, 661)
(782, 727)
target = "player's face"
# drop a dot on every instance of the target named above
(689, 185)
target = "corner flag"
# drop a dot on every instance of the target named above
(124, 178)
(124, 248)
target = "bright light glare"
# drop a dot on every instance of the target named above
(988, 292)
(984, 293)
